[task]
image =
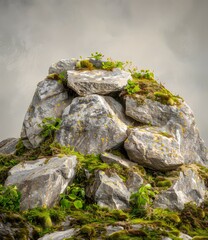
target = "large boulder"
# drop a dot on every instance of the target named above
(62, 65)
(176, 120)
(8, 146)
(42, 181)
(108, 190)
(50, 99)
(152, 148)
(91, 126)
(189, 187)
(97, 81)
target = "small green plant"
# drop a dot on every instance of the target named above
(143, 74)
(61, 77)
(141, 199)
(132, 87)
(73, 197)
(97, 56)
(9, 198)
(109, 65)
(49, 126)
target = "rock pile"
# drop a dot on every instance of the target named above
(99, 116)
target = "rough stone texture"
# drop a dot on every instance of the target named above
(91, 126)
(110, 158)
(50, 100)
(62, 65)
(109, 191)
(14, 227)
(120, 111)
(8, 146)
(112, 229)
(150, 148)
(133, 182)
(97, 81)
(177, 120)
(188, 188)
(60, 235)
(41, 181)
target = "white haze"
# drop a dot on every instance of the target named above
(167, 36)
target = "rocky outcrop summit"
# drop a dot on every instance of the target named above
(95, 133)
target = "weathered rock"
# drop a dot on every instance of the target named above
(41, 181)
(133, 182)
(176, 120)
(188, 188)
(97, 81)
(154, 149)
(13, 226)
(109, 191)
(50, 100)
(8, 146)
(112, 229)
(91, 126)
(62, 65)
(60, 235)
(110, 158)
(185, 236)
(119, 111)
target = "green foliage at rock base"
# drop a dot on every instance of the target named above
(9, 198)
(132, 87)
(49, 125)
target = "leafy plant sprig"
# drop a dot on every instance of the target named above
(132, 87)
(74, 197)
(97, 56)
(141, 199)
(49, 126)
(9, 198)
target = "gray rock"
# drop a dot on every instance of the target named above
(110, 158)
(8, 146)
(185, 236)
(62, 65)
(60, 235)
(133, 182)
(112, 229)
(150, 148)
(176, 120)
(41, 181)
(188, 188)
(91, 126)
(14, 227)
(119, 111)
(109, 191)
(100, 82)
(50, 100)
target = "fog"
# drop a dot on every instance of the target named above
(167, 36)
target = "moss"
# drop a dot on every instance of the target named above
(6, 163)
(84, 64)
(20, 148)
(164, 183)
(88, 231)
(151, 89)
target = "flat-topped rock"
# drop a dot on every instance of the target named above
(97, 81)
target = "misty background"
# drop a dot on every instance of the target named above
(167, 36)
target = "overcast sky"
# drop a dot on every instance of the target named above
(167, 36)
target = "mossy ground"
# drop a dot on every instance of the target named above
(92, 220)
